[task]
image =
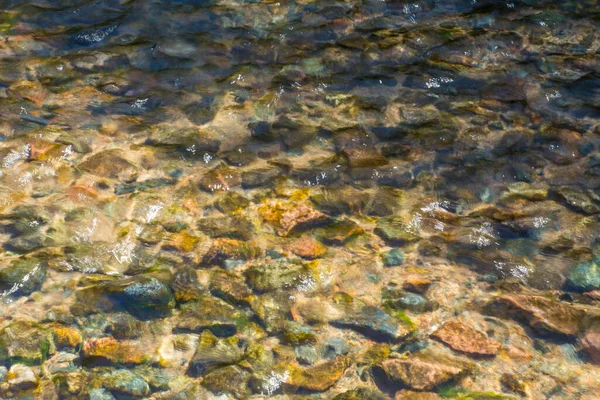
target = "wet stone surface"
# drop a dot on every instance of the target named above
(359, 200)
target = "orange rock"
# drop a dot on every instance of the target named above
(424, 372)
(591, 345)
(307, 247)
(118, 352)
(81, 193)
(291, 217)
(465, 339)
(298, 218)
(43, 150)
(65, 336)
(417, 285)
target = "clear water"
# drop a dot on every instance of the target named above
(271, 199)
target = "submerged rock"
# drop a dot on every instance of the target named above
(585, 276)
(307, 247)
(292, 218)
(213, 352)
(578, 199)
(273, 311)
(399, 299)
(224, 249)
(123, 382)
(25, 341)
(108, 350)
(373, 322)
(466, 339)
(145, 296)
(392, 258)
(209, 313)
(306, 354)
(182, 139)
(543, 315)
(412, 395)
(395, 231)
(229, 379)
(21, 377)
(425, 371)
(360, 394)
(591, 344)
(235, 227)
(229, 287)
(278, 274)
(110, 163)
(231, 202)
(221, 178)
(22, 277)
(339, 232)
(259, 177)
(318, 378)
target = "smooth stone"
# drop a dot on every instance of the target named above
(277, 274)
(543, 315)
(319, 377)
(393, 230)
(212, 352)
(400, 299)
(373, 322)
(109, 350)
(209, 313)
(466, 339)
(259, 177)
(306, 354)
(393, 258)
(110, 163)
(21, 377)
(22, 277)
(424, 372)
(333, 347)
(223, 249)
(123, 382)
(229, 379)
(585, 276)
(24, 340)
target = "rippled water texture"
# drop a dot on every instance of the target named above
(361, 199)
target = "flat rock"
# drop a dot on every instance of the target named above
(109, 350)
(23, 340)
(225, 249)
(22, 277)
(394, 231)
(543, 315)
(277, 274)
(424, 372)
(466, 339)
(110, 163)
(373, 322)
(320, 377)
(293, 218)
(124, 383)
(212, 352)
(208, 313)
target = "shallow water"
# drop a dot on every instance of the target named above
(294, 200)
